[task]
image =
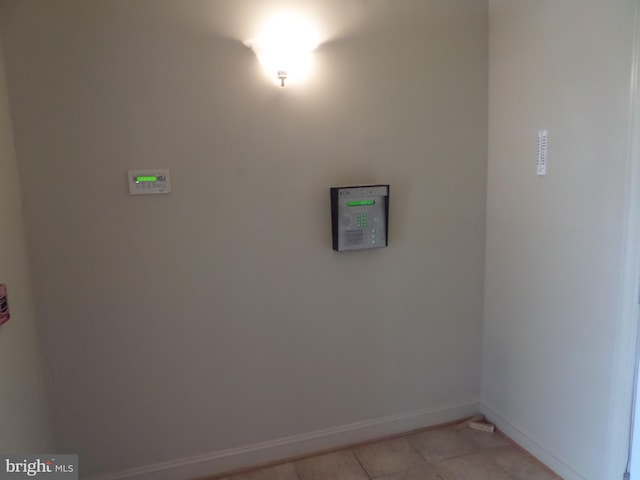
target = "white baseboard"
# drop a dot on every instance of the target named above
(293, 446)
(530, 445)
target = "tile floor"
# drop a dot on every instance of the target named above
(441, 454)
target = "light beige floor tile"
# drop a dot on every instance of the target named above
(333, 466)
(392, 456)
(441, 444)
(520, 465)
(279, 472)
(425, 472)
(486, 440)
(478, 466)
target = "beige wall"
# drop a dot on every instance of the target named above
(23, 412)
(219, 316)
(554, 264)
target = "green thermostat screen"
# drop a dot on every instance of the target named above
(360, 203)
(149, 178)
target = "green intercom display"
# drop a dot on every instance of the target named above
(359, 217)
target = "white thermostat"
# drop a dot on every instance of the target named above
(149, 182)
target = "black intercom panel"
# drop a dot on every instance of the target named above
(359, 217)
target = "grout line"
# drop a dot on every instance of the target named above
(418, 451)
(366, 472)
(528, 454)
(295, 470)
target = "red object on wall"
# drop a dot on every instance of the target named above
(4, 305)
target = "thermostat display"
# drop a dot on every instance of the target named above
(359, 217)
(149, 182)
